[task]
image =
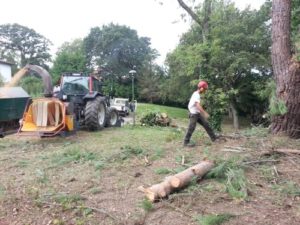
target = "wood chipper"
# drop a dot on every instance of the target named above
(46, 116)
(43, 116)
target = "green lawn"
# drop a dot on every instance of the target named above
(173, 112)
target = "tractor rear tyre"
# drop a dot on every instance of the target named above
(113, 119)
(95, 114)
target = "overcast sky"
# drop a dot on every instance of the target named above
(66, 20)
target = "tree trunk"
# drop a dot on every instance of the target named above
(177, 181)
(286, 71)
(235, 117)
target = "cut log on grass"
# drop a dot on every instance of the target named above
(178, 181)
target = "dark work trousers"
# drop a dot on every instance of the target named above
(194, 118)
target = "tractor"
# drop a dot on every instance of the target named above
(91, 108)
(78, 102)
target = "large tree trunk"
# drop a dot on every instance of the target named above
(286, 71)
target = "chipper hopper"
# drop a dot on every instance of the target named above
(46, 117)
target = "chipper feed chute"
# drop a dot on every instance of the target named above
(46, 117)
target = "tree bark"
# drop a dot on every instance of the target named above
(286, 71)
(235, 117)
(178, 181)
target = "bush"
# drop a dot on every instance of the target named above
(156, 119)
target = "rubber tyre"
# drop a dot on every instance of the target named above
(95, 114)
(113, 118)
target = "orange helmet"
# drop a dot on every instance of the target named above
(203, 84)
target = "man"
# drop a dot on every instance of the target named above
(198, 114)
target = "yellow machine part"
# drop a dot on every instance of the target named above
(47, 115)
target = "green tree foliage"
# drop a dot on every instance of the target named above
(32, 85)
(69, 58)
(117, 49)
(150, 84)
(23, 45)
(234, 56)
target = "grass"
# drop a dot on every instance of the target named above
(232, 175)
(162, 171)
(213, 219)
(288, 188)
(103, 170)
(72, 154)
(2, 191)
(172, 112)
(146, 205)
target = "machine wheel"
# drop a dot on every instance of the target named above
(95, 114)
(113, 118)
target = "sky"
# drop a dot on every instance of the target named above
(65, 20)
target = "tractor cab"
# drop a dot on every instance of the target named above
(78, 84)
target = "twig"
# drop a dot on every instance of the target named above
(177, 209)
(287, 151)
(276, 171)
(230, 150)
(232, 136)
(182, 160)
(237, 147)
(260, 161)
(103, 212)
(80, 207)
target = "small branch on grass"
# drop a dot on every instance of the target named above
(103, 212)
(260, 161)
(234, 137)
(276, 171)
(147, 162)
(231, 150)
(88, 207)
(287, 151)
(177, 209)
(237, 148)
(182, 160)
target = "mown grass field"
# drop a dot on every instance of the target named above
(93, 177)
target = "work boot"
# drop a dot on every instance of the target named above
(219, 139)
(189, 144)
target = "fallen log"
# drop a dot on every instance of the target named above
(177, 181)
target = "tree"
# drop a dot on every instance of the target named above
(117, 49)
(232, 58)
(150, 84)
(23, 44)
(69, 58)
(286, 71)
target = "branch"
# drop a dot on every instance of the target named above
(190, 12)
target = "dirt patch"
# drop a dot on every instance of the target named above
(92, 178)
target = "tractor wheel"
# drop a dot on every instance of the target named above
(113, 119)
(95, 114)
